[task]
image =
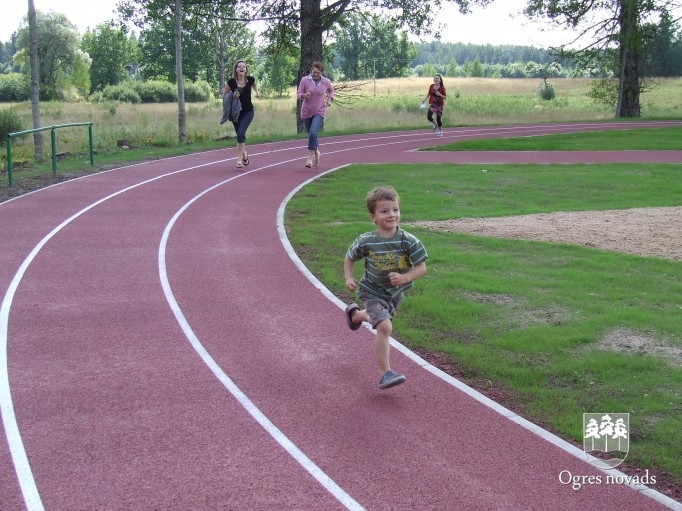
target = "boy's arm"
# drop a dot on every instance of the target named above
(417, 272)
(348, 266)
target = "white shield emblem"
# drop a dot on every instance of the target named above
(606, 438)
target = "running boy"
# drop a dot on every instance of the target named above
(394, 259)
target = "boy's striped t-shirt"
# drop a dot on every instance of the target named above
(382, 256)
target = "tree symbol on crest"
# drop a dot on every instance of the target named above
(605, 430)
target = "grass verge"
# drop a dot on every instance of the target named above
(522, 316)
(647, 139)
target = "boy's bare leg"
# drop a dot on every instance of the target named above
(359, 316)
(382, 346)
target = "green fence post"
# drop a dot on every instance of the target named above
(92, 154)
(9, 159)
(53, 139)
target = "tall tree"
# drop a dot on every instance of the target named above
(35, 81)
(111, 50)
(608, 25)
(664, 48)
(182, 112)
(369, 47)
(57, 47)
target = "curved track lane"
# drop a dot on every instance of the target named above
(162, 348)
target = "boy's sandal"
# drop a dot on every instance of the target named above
(349, 316)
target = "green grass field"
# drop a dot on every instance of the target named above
(380, 105)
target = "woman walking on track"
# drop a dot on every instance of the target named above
(241, 85)
(436, 98)
(317, 93)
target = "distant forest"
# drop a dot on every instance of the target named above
(510, 61)
(504, 61)
(442, 54)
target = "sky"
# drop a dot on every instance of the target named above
(493, 25)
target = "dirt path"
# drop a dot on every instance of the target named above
(642, 231)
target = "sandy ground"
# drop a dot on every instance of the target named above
(653, 232)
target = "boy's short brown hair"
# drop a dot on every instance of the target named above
(381, 193)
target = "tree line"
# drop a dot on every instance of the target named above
(108, 56)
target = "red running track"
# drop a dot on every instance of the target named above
(162, 349)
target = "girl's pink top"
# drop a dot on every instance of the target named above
(315, 103)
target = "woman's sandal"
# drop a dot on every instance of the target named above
(245, 161)
(308, 164)
(349, 316)
(317, 158)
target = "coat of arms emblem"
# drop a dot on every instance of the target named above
(606, 438)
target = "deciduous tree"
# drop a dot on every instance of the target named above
(111, 50)
(57, 47)
(35, 80)
(605, 25)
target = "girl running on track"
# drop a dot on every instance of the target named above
(436, 97)
(394, 259)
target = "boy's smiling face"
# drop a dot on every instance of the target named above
(386, 216)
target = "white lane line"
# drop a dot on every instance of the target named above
(291, 448)
(22, 466)
(17, 450)
(534, 428)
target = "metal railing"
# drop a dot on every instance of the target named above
(53, 140)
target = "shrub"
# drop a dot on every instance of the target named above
(123, 93)
(604, 91)
(156, 91)
(10, 122)
(198, 92)
(153, 92)
(546, 91)
(14, 87)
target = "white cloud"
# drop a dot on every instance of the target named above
(499, 24)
